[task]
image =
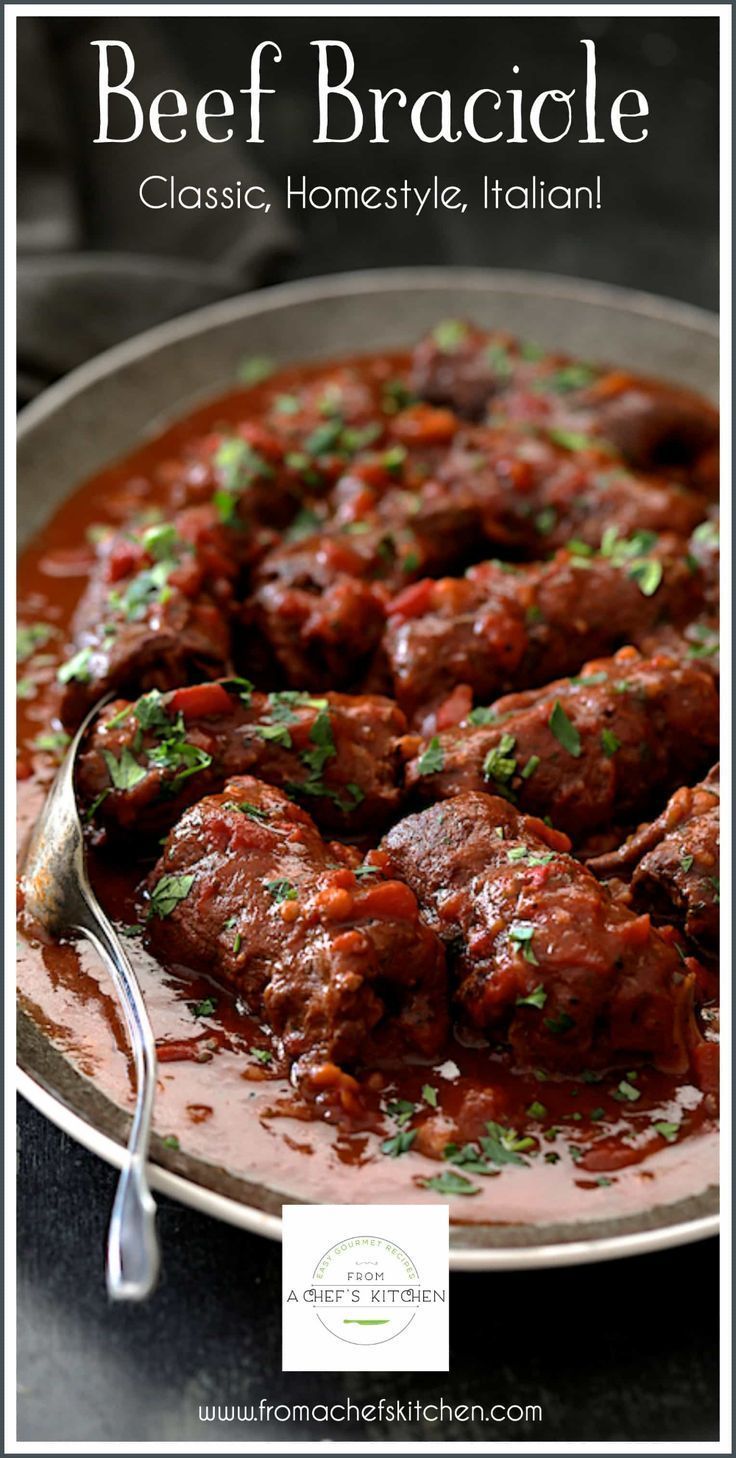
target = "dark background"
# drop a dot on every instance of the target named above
(620, 1352)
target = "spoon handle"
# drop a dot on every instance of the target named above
(132, 1248)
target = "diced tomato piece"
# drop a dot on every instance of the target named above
(201, 700)
(555, 839)
(636, 933)
(124, 559)
(387, 901)
(412, 601)
(706, 1066)
(424, 425)
(262, 441)
(456, 707)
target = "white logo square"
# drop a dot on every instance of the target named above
(365, 1288)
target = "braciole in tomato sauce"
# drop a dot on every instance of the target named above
(506, 1139)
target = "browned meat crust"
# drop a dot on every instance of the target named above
(504, 626)
(143, 763)
(674, 862)
(589, 751)
(340, 965)
(543, 956)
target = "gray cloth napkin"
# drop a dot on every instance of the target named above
(94, 266)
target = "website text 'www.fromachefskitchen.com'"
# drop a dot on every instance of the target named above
(385, 1410)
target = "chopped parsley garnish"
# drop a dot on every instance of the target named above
(450, 1183)
(499, 766)
(536, 998)
(29, 637)
(626, 1093)
(497, 356)
(255, 370)
(564, 730)
(150, 713)
(575, 440)
(630, 552)
(537, 1110)
(282, 890)
(393, 459)
(668, 1131)
(522, 932)
(401, 1110)
(449, 334)
(429, 1094)
(205, 1008)
(589, 679)
(262, 1055)
(531, 765)
(125, 772)
(303, 525)
(146, 587)
(531, 352)
(168, 892)
(647, 575)
(173, 750)
(561, 1024)
(321, 736)
(569, 377)
(170, 1142)
(551, 1157)
(254, 812)
(362, 871)
(287, 405)
(545, 520)
(239, 466)
(686, 862)
(133, 930)
(504, 1146)
(396, 396)
(706, 641)
(76, 669)
(707, 534)
(609, 743)
(54, 742)
(399, 1143)
(433, 758)
(481, 716)
(160, 541)
(25, 688)
(274, 733)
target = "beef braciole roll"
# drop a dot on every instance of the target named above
(319, 601)
(651, 423)
(504, 626)
(144, 762)
(588, 751)
(674, 862)
(156, 613)
(330, 953)
(542, 955)
(534, 490)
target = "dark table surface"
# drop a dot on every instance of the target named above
(624, 1351)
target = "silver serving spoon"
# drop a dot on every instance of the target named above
(59, 897)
